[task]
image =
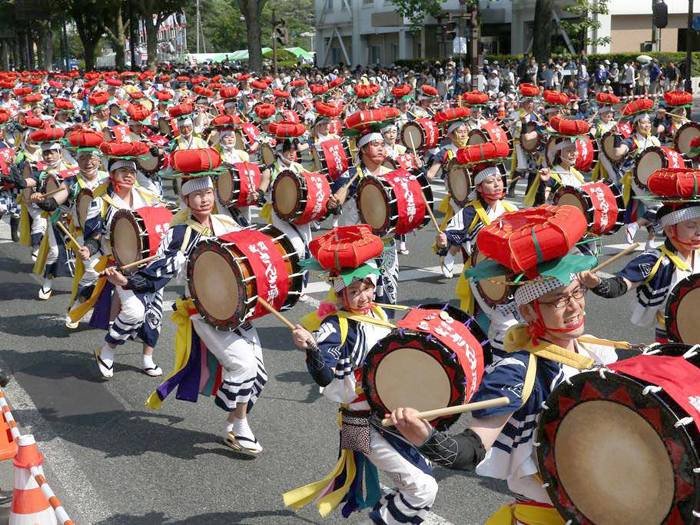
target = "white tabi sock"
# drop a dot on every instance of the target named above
(241, 428)
(48, 284)
(147, 361)
(449, 260)
(107, 355)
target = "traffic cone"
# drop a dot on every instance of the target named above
(29, 505)
(501, 110)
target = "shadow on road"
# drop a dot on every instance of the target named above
(47, 325)
(242, 518)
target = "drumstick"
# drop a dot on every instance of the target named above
(310, 342)
(615, 258)
(137, 263)
(54, 192)
(393, 306)
(68, 234)
(459, 409)
(623, 345)
(430, 212)
(345, 187)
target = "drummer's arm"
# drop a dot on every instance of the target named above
(432, 171)
(620, 147)
(320, 362)
(266, 175)
(160, 271)
(52, 202)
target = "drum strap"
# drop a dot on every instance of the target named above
(666, 253)
(530, 375)
(518, 339)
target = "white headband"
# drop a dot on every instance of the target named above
(527, 293)
(606, 109)
(639, 117)
(560, 146)
(370, 137)
(200, 183)
(47, 146)
(485, 174)
(230, 104)
(551, 108)
(186, 122)
(678, 216)
(456, 124)
(389, 127)
(121, 163)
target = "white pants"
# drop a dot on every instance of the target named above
(415, 490)
(38, 222)
(132, 313)
(91, 275)
(240, 355)
(52, 255)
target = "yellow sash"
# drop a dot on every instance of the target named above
(25, 229)
(40, 263)
(77, 313)
(518, 339)
(532, 192)
(530, 514)
(266, 212)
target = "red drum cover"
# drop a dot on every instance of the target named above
(346, 247)
(123, 149)
(336, 158)
(427, 133)
(675, 183)
(409, 194)
(655, 158)
(249, 177)
(157, 221)
(195, 160)
(301, 198)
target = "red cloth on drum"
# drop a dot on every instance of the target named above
(679, 378)
(99, 99)
(641, 105)
(410, 202)
(63, 103)
(607, 98)
(85, 138)
(285, 129)
(327, 110)
(346, 247)
(195, 160)
(64, 174)
(529, 90)
(225, 121)
(335, 82)
(452, 114)
(46, 135)
(482, 152)
(335, 157)
(267, 263)
(318, 192)
(555, 98)
(522, 239)
(678, 183)
(123, 149)
(250, 177)
(678, 98)
(453, 335)
(157, 221)
(180, 110)
(138, 112)
(570, 127)
(318, 89)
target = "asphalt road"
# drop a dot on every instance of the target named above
(111, 461)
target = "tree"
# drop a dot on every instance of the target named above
(544, 25)
(154, 13)
(90, 17)
(116, 29)
(251, 10)
(585, 22)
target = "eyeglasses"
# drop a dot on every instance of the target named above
(578, 294)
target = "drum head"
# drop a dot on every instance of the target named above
(611, 454)
(476, 136)
(412, 136)
(607, 144)
(529, 145)
(214, 282)
(687, 132)
(52, 184)
(458, 183)
(149, 163)
(648, 162)
(572, 199)
(125, 238)
(389, 163)
(681, 311)
(267, 154)
(372, 205)
(147, 103)
(285, 194)
(82, 205)
(493, 290)
(225, 187)
(164, 126)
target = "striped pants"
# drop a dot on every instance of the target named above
(240, 355)
(140, 316)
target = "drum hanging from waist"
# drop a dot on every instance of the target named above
(168, 127)
(684, 136)
(267, 154)
(300, 198)
(459, 182)
(420, 134)
(149, 163)
(225, 276)
(494, 290)
(655, 158)
(237, 185)
(530, 145)
(50, 183)
(601, 203)
(615, 448)
(82, 204)
(394, 202)
(681, 313)
(331, 156)
(136, 234)
(433, 359)
(491, 131)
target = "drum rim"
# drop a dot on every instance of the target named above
(673, 302)
(391, 208)
(87, 193)
(264, 147)
(664, 162)
(234, 189)
(141, 246)
(551, 415)
(603, 138)
(401, 338)
(509, 289)
(297, 282)
(450, 166)
(50, 177)
(159, 164)
(619, 199)
(693, 125)
(299, 183)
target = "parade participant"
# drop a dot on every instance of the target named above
(655, 272)
(605, 169)
(8, 194)
(543, 352)
(187, 138)
(230, 95)
(63, 113)
(402, 99)
(485, 204)
(136, 315)
(99, 119)
(320, 128)
(344, 332)
(562, 159)
(394, 151)
(264, 115)
(453, 122)
(371, 156)
(640, 213)
(426, 96)
(475, 102)
(527, 128)
(673, 116)
(237, 352)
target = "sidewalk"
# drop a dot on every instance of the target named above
(7, 480)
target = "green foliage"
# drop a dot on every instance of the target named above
(584, 22)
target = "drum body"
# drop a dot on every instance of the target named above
(681, 314)
(601, 203)
(237, 185)
(267, 154)
(82, 204)
(459, 182)
(227, 275)
(168, 127)
(607, 144)
(50, 183)
(612, 447)
(491, 131)
(685, 134)
(431, 360)
(147, 103)
(587, 149)
(495, 290)
(331, 156)
(149, 163)
(394, 202)
(301, 198)
(420, 134)
(652, 159)
(136, 234)
(530, 146)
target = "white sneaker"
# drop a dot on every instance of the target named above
(106, 370)
(630, 231)
(245, 445)
(35, 254)
(649, 246)
(70, 324)
(447, 269)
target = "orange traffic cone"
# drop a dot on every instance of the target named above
(29, 505)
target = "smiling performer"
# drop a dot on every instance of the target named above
(542, 353)
(344, 333)
(655, 272)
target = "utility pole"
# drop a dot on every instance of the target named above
(655, 31)
(689, 48)
(274, 41)
(198, 22)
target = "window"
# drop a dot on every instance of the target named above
(374, 54)
(395, 52)
(344, 5)
(335, 55)
(329, 5)
(367, 2)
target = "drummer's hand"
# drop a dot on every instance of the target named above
(115, 277)
(589, 279)
(301, 335)
(84, 253)
(441, 240)
(418, 161)
(333, 202)
(36, 197)
(413, 429)
(544, 174)
(661, 113)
